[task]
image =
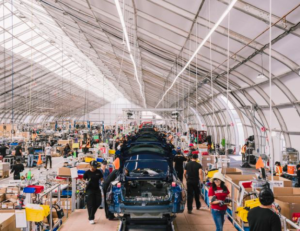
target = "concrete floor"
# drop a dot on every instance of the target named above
(198, 220)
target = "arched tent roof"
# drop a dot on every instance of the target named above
(163, 35)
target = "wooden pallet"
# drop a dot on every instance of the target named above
(4, 174)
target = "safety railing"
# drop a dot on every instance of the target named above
(283, 219)
(49, 192)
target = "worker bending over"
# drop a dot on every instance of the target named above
(17, 169)
(218, 194)
(93, 177)
(262, 218)
(194, 177)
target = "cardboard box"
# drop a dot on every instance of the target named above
(83, 166)
(3, 190)
(232, 171)
(236, 180)
(4, 166)
(66, 203)
(11, 197)
(286, 182)
(8, 204)
(8, 222)
(64, 171)
(207, 160)
(2, 197)
(289, 205)
(286, 191)
(12, 190)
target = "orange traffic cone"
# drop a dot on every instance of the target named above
(39, 162)
(259, 163)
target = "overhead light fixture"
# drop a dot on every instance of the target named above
(261, 76)
(199, 47)
(129, 49)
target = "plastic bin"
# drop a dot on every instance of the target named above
(38, 188)
(80, 177)
(37, 215)
(80, 171)
(111, 151)
(66, 193)
(88, 159)
(29, 190)
(100, 160)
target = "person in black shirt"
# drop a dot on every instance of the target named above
(298, 173)
(93, 192)
(179, 159)
(193, 174)
(17, 169)
(30, 156)
(262, 218)
(117, 143)
(3, 149)
(18, 150)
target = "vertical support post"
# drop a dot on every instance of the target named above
(58, 195)
(232, 199)
(50, 203)
(73, 193)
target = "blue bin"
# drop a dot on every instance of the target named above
(80, 171)
(66, 193)
(100, 160)
(29, 190)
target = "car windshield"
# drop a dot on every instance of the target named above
(146, 165)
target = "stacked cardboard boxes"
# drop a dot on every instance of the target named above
(10, 197)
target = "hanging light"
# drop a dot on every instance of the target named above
(261, 76)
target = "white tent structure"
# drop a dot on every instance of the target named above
(67, 58)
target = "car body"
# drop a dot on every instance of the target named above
(151, 187)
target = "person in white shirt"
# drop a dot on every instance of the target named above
(48, 152)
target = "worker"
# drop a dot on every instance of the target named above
(191, 149)
(17, 169)
(117, 143)
(298, 173)
(48, 153)
(18, 151)
(262, 218)
(278, 168)
(193, 174)
(93, 177)
(117, 163)
(3, 149)
(178, 160)
(243, 152)
(105, 172)
(67, 150)
(30, 156)
(217, 194)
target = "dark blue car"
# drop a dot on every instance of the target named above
(147, 184)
